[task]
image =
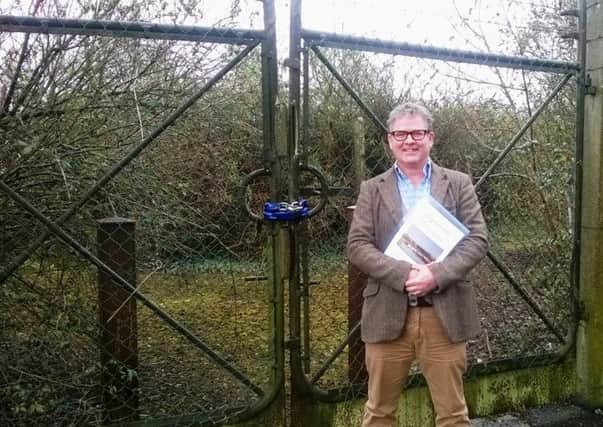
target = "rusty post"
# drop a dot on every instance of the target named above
(117, 317)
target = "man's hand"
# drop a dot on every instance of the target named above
(420, 281)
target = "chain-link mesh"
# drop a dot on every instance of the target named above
(187, 329)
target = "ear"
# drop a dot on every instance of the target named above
(388, 139)
(432, 137)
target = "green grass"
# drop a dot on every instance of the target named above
(49, 335)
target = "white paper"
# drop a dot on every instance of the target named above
(428, 234)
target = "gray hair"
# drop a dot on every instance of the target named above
(410, 109)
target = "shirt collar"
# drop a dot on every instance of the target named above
(426, 172)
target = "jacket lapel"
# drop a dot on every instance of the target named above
(439, 183)
(391, 196)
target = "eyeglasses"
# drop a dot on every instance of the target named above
(416, 134)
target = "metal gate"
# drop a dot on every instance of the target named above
(146, 318)
(529, 323)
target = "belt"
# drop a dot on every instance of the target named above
(422, 302)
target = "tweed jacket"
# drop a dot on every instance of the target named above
(377, 217)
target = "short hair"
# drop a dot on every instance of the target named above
(410, 109)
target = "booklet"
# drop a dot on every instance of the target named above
(428, 234)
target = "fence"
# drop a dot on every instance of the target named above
(135, 289)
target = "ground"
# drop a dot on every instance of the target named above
(564, 415)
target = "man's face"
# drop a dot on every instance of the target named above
(410, 153)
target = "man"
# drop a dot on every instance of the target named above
(434, 331)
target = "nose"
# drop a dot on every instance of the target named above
(408, 138)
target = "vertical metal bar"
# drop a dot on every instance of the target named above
(269, 91)
(294, 52)
(276, 243)
(5, 274)
(305, 295)
(296, 231)
(579, 149)
(117, 318)
(305, 258)
(293, 135)
(305, 140)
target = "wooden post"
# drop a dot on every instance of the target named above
(590, 328)
(359, 153)
(356, 279)
(117, 317)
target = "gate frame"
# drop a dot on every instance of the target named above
(304, 386)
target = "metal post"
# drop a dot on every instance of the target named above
(117, 318)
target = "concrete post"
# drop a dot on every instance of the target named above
(590, 328)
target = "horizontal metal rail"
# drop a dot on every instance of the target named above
(316, 38)
(177, 326)
(145, 30)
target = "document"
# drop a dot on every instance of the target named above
(428, 234)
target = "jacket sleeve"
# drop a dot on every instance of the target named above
(469, 251)
(362, 248)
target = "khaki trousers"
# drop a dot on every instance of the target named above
(442, 364)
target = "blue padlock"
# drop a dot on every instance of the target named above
(285, 211)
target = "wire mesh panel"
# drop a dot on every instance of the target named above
(510, 116)
(161, 309)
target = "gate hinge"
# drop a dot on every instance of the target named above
(589, 89)
(570, 12)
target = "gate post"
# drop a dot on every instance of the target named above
(117, 319)
(590, 327)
